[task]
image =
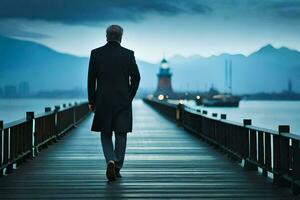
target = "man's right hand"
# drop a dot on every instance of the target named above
(91, 107)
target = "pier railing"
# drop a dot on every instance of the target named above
(276, 154)
(23, 139)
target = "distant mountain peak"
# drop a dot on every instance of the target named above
(267, 48)
(270, 50)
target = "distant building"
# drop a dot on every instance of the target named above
(10, 91)
(24, 89)
(164, 86)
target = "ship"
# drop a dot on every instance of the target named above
(221, 100)
(216, 99)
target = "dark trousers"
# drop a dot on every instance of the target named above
(118, 153)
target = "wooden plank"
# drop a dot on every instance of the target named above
(162, 161)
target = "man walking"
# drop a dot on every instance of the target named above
(113, 80)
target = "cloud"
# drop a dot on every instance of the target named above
(14, 29)
(96, 11)
(286, 9)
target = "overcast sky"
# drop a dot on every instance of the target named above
(156, 27)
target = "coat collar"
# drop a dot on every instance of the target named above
(113, 43)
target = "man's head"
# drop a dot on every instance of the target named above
(114, 33)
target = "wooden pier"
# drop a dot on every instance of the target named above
(163, 161)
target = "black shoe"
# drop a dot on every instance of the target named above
(118, 173)
(110, 171)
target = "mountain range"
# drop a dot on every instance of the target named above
(266, 70)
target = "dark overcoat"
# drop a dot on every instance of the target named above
(113, 80)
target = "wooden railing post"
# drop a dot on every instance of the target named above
(223, 131)
(261, 151)
(1, 147)
(30, 116)
(56, 109)
(223, 116)
(179, 111)
(74, 115)
(249, 146)
(75, 112)
(47, 109)
(296, 167)
(281, 156)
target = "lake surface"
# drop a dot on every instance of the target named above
(265, 114)
(13, 109)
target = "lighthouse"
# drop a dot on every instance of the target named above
(164, 87)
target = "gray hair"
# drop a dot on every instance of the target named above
(114, 33)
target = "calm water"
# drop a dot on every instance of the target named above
(266, 114)
(13, 109)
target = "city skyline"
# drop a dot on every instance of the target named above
(22, 90)
(158, 27)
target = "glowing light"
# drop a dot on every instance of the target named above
(164, 65)
(150, 96)
(198, 97)
(161, 97)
